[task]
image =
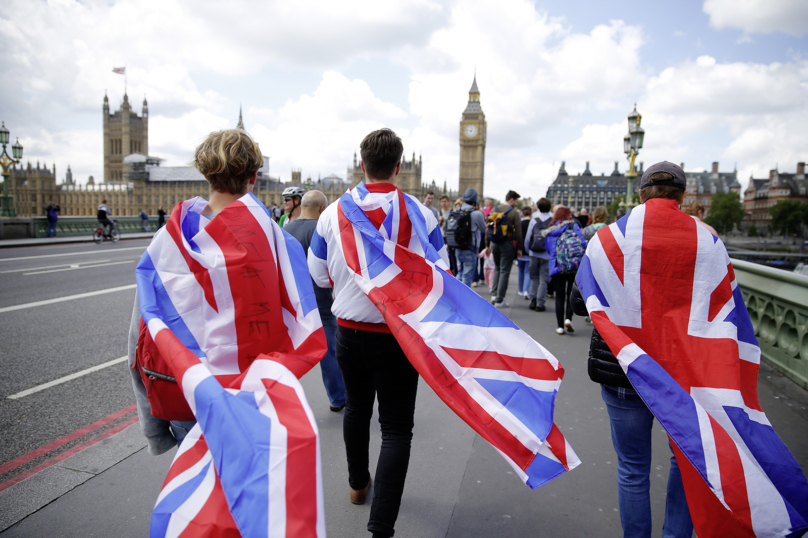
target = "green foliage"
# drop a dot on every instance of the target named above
(726, 211)
(752, 231)
(788, 215)
(613, 207)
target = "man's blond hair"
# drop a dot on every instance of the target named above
(693, 209)
(228, 159)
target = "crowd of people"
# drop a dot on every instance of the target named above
(365, 362)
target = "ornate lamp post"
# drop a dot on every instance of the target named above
(632, 143)
(6, 201)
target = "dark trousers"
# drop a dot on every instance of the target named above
(372, 365)
(563, 287)
(504, 255)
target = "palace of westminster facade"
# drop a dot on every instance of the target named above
(134, 181)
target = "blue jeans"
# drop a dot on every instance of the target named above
(180, 429)
(51, 229)
(332, 376)
(523, 265)
(466, 264)
(631, 423)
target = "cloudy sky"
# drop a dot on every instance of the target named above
(719, 80)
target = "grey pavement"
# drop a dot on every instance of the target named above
(457, 486)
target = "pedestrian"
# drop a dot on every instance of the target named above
(523, 263)
(583, 218)
(312, 206)
(463, 232)
(489, 267)
(144, 220)
(229, 160)
(161, 218)
(291, 205)
(445, 211)
(371, 359)
(429, 198)
(566, 246)
(504, 238)
(696, 210)
(488, 206)
(539, 257)
(52, 213)
(599, 218)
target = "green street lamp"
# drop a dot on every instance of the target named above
(632, 143)
(6, 200)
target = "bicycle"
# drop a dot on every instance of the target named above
(99, 236)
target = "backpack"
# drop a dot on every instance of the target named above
(52, 216)
(165, 395)
(498, 232)
(537, 239)
(143, 216)
(458, 229)
(569, 250)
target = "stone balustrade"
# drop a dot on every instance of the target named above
(777, 302)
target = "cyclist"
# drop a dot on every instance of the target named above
(103, 217)
(291, 204)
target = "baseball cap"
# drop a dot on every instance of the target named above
(672, 169)
(470, 196)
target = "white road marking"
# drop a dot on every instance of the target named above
(68, 298)
(103, 252)
(74, 267)
(48, 267)
(65, 379)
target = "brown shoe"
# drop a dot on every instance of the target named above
(358, 496)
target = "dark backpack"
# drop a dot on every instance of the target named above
(52, 216)
(569, 250)
(458, 229)
(537, 239)
(497, 231)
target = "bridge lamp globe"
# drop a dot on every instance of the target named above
(16, 150)
(626, 144)
(637, 137)
(633, 119)
(3, 134)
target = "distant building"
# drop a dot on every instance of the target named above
(588, 190)
(125, 133)
(761, 194)
(591, 191)
(473, 135)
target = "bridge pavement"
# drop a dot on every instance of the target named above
(457, 486)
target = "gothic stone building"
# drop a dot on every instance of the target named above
(761, 194)
(473, 133)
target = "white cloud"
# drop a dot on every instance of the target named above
(759, 16)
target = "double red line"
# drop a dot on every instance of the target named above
(41, 451)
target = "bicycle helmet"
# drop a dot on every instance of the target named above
(293, 192)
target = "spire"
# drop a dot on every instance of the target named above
(240, 121)
(474, 98)
(474, 84)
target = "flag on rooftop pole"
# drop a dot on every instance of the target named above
(119, 70)
(662, 292)
(230, 304)
(498, 379)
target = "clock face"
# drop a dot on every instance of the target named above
(470, 131)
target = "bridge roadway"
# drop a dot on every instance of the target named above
(457, 486)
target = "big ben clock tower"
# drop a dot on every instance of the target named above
(472, 144)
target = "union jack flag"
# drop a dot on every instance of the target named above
(119, 70)
(661, 291)
(216, 295)
(487, 370)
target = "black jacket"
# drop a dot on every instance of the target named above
(603, 367)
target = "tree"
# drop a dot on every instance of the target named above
(726, 211)
(787, 216)
(752, 231)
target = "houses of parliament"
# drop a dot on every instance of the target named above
(134, 181)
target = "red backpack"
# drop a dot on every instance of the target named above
(164, 393)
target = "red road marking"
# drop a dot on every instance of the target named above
(13, 464)
(66, 454)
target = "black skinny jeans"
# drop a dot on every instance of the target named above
(372, 365)
(562, 282)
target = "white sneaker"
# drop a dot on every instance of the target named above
(502, 304)
(560, 330)
(525, 296)
(568, 325)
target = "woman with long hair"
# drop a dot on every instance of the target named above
(566, 245)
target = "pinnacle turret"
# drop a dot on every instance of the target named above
(240, 121)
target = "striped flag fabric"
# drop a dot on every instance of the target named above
(491, 373)
(119, 70)
(661, 291)
(230, 305)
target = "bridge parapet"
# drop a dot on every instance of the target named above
(777, 302)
